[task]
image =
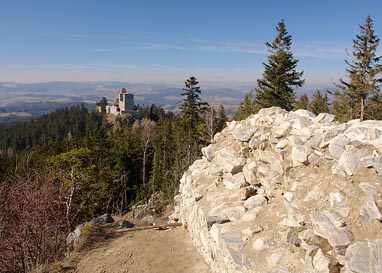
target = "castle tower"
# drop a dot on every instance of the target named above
(126, 101)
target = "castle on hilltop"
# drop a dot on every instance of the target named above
(122, 105)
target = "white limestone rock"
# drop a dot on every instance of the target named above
(255, 201)
(266, 157)
(236, 181)
(324, 118)
(217, 136)
(251, 231)
(288, 196)
(299, 155)
(337, 145)
(282, 144)
(330, 226)
(226, 160)
(340, 204)
(251, 215)
(254, 143)
(262, 243)
(208, 152)
(285, 157)
(346, 187)
(321, 262)
(369, 211)
(282, 129)
(275, 256)
(277, 167)
(365, 257)
(294, 218)
(244, 193)
(234, 214)
(314, 158)
(243, 132)
(249, 173)
(363, 130)
(300, 123)
(304, 113)
(350, 161)
(368, 188)
(373, 162)
(215, 233)
(315, 194)
(271, 112)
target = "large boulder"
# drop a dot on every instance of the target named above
(103, 219)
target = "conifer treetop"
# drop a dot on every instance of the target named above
(280, 77)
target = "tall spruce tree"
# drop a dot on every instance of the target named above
(363, 73)
(280, 77)
(246, 107)
(221, 118)
(192, 107)
(302, 103)
(374, 106)
(103, 104)
(192, 110)
(320, 103)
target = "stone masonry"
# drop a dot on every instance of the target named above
(287, 192)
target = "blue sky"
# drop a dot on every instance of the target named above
(219, 42)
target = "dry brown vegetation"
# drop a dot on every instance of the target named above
(33, 225)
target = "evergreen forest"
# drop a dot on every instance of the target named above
(71, 165)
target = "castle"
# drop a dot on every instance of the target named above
(122, 105)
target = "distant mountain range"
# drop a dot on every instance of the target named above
(23, 100)
(32, 99)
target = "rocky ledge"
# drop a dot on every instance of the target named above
(287, 192)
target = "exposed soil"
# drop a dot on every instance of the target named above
(148, 251)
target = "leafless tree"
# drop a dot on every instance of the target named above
(32, 223)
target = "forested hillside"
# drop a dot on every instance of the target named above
(73, 164)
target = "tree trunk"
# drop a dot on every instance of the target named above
(69, 199)
(362, 109)
(144, 165)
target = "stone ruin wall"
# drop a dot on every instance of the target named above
(287, 192)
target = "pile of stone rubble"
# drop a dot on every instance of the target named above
(287, 192)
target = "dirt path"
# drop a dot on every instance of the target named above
(145, 251)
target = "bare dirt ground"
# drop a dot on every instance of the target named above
(146, 251)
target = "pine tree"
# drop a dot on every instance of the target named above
(192, 107)
(192, 110)
(319, 104)
(363, 73)
(280, 77)
(162, 178)
(221, 118)
(374, 106)
(103, 104)
(302, 103)
(246, 107)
